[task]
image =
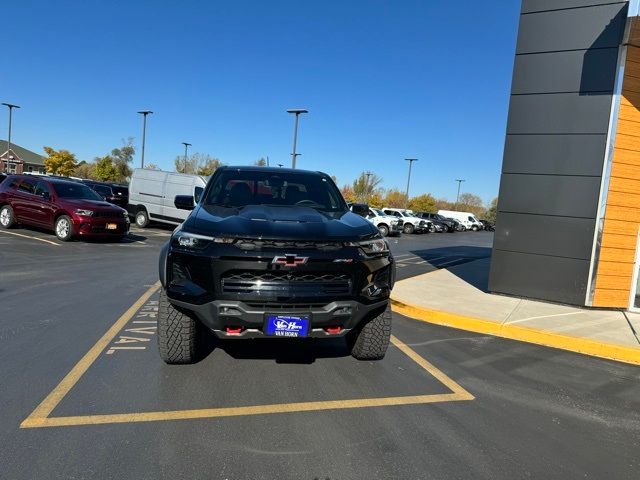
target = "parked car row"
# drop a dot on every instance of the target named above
(75, 207)
(394, 221)
(68, 208)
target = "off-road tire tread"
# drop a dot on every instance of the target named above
(177, 333)
(370, 342)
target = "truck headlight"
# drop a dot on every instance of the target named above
(371, 247)
(190, 240)
(84, 213)
(195, 241)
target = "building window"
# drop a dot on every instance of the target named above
(31, 169)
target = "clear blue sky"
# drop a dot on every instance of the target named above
(383, 80)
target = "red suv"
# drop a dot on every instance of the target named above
(68, 208)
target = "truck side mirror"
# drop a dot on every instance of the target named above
(360, 209)
(184, 202)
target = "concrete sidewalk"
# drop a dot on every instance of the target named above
(457, 297)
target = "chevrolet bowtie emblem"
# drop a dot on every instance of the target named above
(289, 260)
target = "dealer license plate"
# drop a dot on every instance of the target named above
(286, 325)
(112, 226)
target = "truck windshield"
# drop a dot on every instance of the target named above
(75, 190)
(239, 188)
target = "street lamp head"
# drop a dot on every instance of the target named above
(297, 110)
(145, 112)
(411, 159)
(186, 144)
(11, 105)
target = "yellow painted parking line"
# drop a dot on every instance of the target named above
(30, 237)
(55, 397)
(40, 416)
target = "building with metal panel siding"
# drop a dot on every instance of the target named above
(569, 209)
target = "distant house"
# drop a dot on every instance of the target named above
(19, 159)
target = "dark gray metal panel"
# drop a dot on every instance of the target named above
(557, 195)
(572, 71)
(559, 113)
(542, 235)
(537, 276)
(530, 6)
(574, 29)
(555, 154)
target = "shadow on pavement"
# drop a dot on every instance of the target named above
(292, 351)
(469, 263)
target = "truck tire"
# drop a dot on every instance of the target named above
(7, 218)
(475, 228)
(384, 230)
(408, 228)
(370, 342)
(142, 218)
(178, 333)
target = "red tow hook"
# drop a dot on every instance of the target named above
(234, 330)
(333, 330)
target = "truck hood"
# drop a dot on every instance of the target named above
(274, 222)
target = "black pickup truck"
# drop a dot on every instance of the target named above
(273, 252)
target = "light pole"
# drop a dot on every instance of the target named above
(280, 165)
(10, 106)
(459, 180)
(410, 160)
(186, 146)
(144, 113)
(297, 112)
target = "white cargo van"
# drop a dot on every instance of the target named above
(152, 194)
(467, 219)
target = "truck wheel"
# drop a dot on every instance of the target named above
(370, 342)
(384, 230)
(408, 228)
(142, 218)
(7, 218)
(474, 228)
(178, 333)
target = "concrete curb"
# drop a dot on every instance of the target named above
(524, 334)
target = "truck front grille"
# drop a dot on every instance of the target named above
(276, 284)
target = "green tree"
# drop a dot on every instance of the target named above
(59, 162)
(197, 164)
(151, 166)
(207, 165)
(85, 170)
(423, 203)
(122, 157)
(347, 193)
(492, 211)
(366, 185)
(468, 202)
(261, 162)
(105, 170)
(395, 199)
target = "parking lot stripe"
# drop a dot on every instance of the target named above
(242, 411)
(30, 237)
(57, 394)
(40, 416)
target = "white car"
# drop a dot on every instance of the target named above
(412, 224)
(387, 224)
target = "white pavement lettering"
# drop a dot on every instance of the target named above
(136, 337)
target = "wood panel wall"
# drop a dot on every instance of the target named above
(622, 214)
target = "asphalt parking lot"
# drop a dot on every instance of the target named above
(85, 395)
